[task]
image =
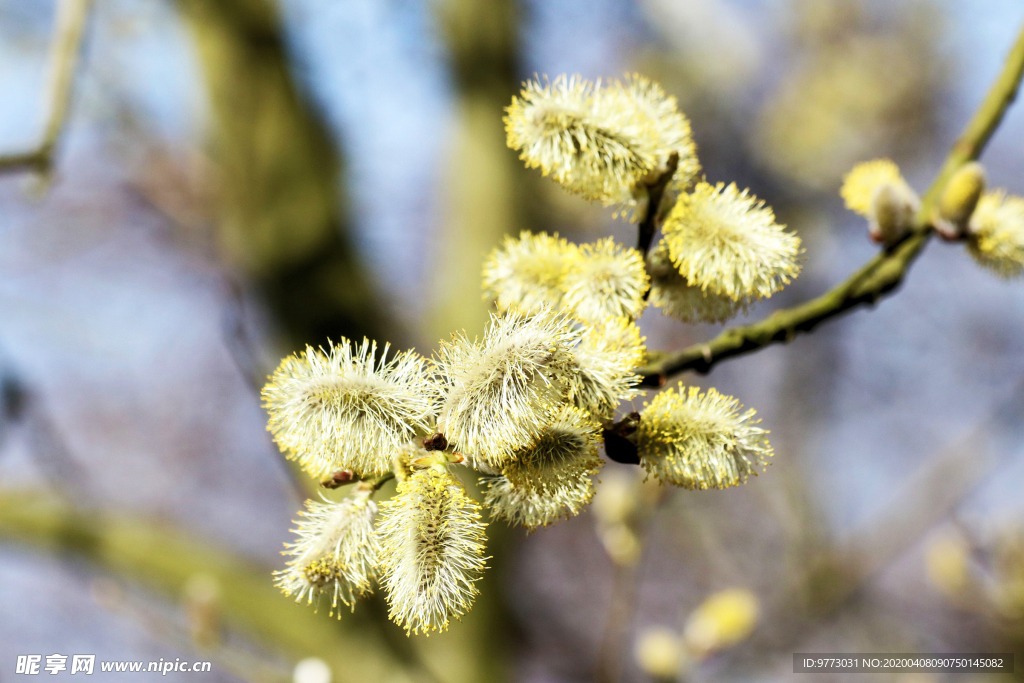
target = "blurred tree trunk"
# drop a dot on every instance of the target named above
(283, 226)
(482, 177)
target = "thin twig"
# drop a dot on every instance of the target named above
(880, 276)
(243, 351)
(655, 192)
(379, 482)
(65, 50)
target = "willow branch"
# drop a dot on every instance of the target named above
(878, 277)
(72, 16)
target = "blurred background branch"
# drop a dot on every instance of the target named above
(65, 53)
(163, 559)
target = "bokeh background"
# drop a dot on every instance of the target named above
(240, 177)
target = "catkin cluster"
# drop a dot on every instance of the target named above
(991, 223)
(522, 408)
(722, 248)
(525, 409)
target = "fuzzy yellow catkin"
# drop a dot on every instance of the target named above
(700, 440)
(597, 152)
(671, 130)
(995, 234)
(600, 141)
(527, 272)
(876, 190)
(432, 550)
(727, 242)
(659, 111)
(497, 392)
(605, 280)
(678, 299)
(552, 478)
(335, 553)
(604, 364)
(347, 408)
(961, 194)
(892, 213)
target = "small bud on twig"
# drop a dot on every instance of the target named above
(959, 200)
(435, 442)
(892, 213)
(337, 479)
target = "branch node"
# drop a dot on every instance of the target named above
(435, 442)
(338, 478)
(705, 352)
(619, 440)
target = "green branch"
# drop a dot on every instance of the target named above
(881, 275)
